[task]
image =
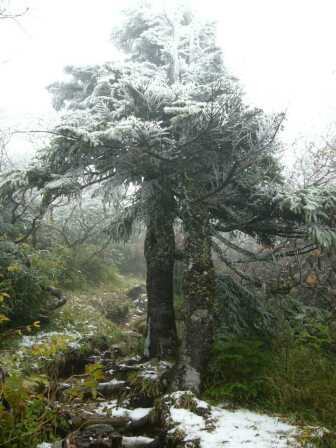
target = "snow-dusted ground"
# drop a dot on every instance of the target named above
(235, 429)
(188, 418)
(45, 337)
(218, 427)
(112, 409)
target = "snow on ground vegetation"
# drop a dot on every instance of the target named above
(234, 429)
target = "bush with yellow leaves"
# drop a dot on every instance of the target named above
(22, 291)
(27, 416)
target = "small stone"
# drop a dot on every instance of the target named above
(95, 436)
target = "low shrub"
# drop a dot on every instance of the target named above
(22, 290)
(27, 417)
(301, 380)
(74, 269)
(284, 375)
(236, 370)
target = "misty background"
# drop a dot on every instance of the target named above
(282, 52)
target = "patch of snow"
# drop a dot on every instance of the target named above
(139, 413)
(149, 375)
(42, 337)
(183, 416)
(234, 429)
(106, 406)
(113, 382)
(136, 441)
(75, 345)
(136, 358)
(166, 364)
(111, 408)
(202, 404)
(131, 366)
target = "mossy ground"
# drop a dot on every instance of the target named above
(34, 360)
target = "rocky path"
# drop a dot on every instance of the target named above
(128, 406)
(111, 400)
(125, 402)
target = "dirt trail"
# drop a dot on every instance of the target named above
(121, 401)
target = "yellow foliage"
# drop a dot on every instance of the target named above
(55, 345)
(316, 252)
(3, 296)
(312, 280)
(3, 318)
(15, 267)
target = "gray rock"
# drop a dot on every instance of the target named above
(136, 292)
(95, 436)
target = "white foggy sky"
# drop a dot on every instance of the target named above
(283, 51)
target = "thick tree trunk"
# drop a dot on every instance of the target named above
(199, 293)
(161, 338)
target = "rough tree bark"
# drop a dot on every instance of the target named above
(199, 293)
(161, 338)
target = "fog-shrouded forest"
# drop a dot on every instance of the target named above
(167, 253)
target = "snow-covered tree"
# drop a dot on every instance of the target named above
(170, 126)
(125, 124)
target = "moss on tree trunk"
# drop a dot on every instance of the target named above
(161, 338)
(199, 293)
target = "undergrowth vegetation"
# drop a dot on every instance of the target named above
(22, 288)
(34, 364)
(33, 417)
(274, 354)
(283, 375)
(27, 273)
(74, 269)
(158, 166)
